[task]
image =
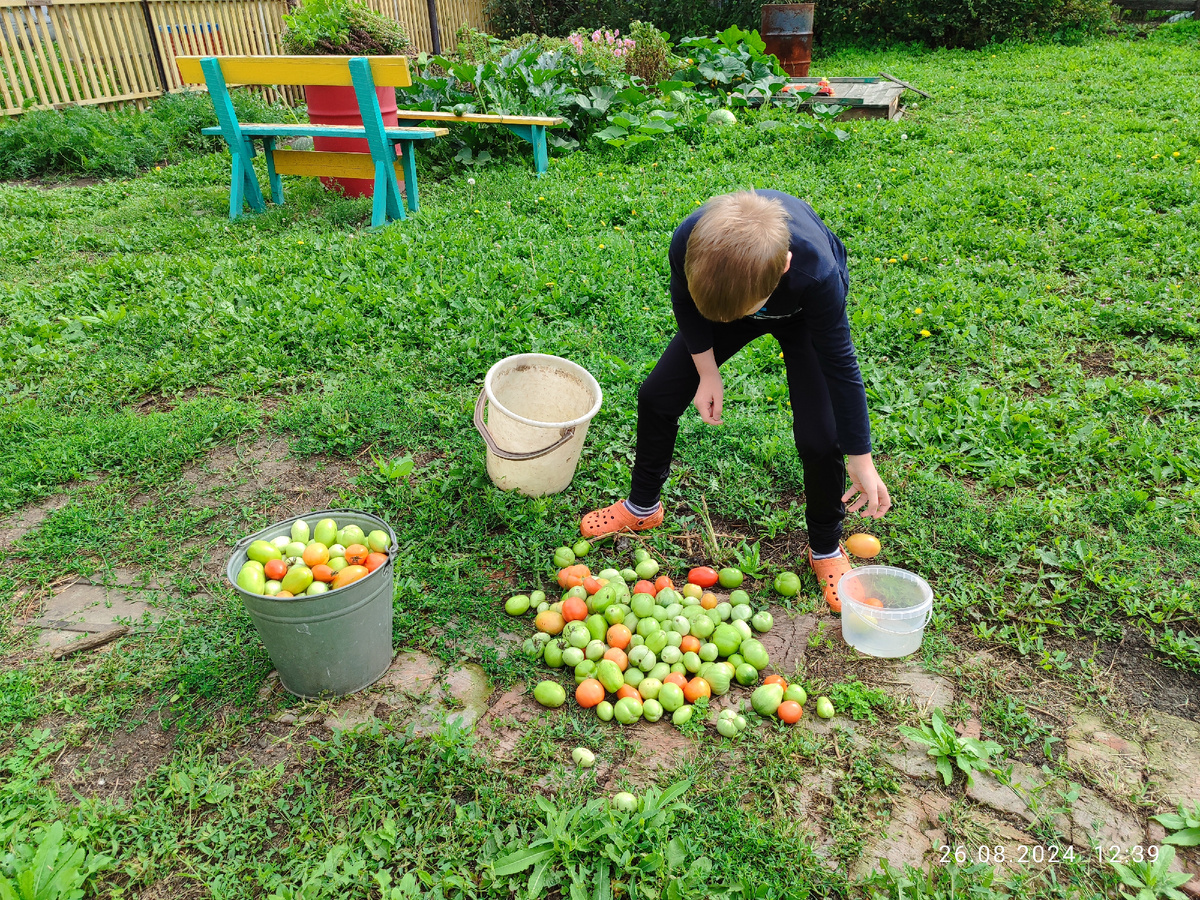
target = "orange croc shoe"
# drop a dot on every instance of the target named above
(828, 572)
(615, 518)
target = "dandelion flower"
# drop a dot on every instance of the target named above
(471, 181)
(892, 260)
(924, 332)
(1155, 156)
(904, 256)
(601, 246)
(918, 310)
(1176, 154)
(1051, 148)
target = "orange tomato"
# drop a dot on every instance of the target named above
(662, 583)
(349, 575)
(644, 587)
(617, 656)
(375, 560)
(776, 679)
(356, 554)
(285, 594)
(676, 678)
(789, 711)
(315, 555)
(574, 610)
(709, 600)
(618, 636)
(589, 693)
(626, 691)
(695, 689)
(591, 584)
(874, 601)
(322, 573)
(703, 576)
(275, 569)
(690, 644)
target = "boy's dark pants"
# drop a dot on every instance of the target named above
(670, 388)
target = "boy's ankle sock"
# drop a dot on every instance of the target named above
(836, 551)
(641, 511)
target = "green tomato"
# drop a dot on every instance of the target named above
(297, 579)
(679, 667)
(584, 671)
(735, 659)
(648, 662)
(738, 598)
(535, 597)
(517, 605)
(671, 697)
(550, 694)
(660, 671)
(577, 591)
(351, 534)
(326, 532)
(649, 688)
(553, 653)
(251, 578)
(317, 587)
(625, 802)
(595, 650)
(597, 627)
(825, 708)
(646, 569)
(631, 620)
(609, 575)
(766, 699)
(614, 614)
(379, 541)
(659, 614)
(572, 657)
(682, 716)
(294, 550)
(338, 564)
(702, 626)
(726, 639)
(743, 628)
(642, 604)
(742, 613)
(628, 710)
(691, 662)
(652, 710)
(281, 541)
(647, 627)
(604, 710)
(746, 674)
(674, 638)
(787, 584)
(271, 588)
(762, 622)
(581, 549)
(730, 577)
(723, 611)
(666, 597)
(577, 634)
(263, 552)
(637, 640)
(797, 693)
(629, 576)
(708, 652)
(608, 673)
(727, 728)
(336, 550)
(563, 557)
(657, 642)
(670, 655)
(300, 533)
(583, 757)
(755, 654)
(673, 610)
(640, 554)
(633, 676)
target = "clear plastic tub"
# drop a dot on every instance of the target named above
(884, 610)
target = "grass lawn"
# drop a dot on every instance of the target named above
(1024, 275)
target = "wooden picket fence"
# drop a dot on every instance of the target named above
(104, 52)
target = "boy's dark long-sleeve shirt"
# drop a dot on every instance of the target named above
(814, 287)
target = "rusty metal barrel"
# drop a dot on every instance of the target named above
(787, 30)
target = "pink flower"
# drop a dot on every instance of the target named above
(596, 37)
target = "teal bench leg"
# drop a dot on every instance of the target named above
(536, 135)
(410, 175)
(273, 176)
(243, 186)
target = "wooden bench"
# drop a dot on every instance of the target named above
(530, 128)
(362, 73)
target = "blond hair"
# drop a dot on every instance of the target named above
(736, 254)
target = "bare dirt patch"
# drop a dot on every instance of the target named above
(112, 768)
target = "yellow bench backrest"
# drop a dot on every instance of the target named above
(387, 71)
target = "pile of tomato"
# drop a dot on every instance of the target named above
(641, 649)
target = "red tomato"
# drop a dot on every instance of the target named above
(356, 554)
(644, 587)
(275, 569)
(374, 561)
(662, 583)
(703, 576)
(322, 573)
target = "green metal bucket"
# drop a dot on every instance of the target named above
(338, 642)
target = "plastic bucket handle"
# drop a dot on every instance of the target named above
(564, 436)
(870, 620)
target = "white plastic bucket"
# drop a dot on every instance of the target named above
(538, 408)
(895, 627)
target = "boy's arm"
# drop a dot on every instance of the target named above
(710, 394)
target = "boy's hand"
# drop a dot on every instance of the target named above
(710, 397)
(872, 492)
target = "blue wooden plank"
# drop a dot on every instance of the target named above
(383, 151)
(266, 129)
(536, 135)
(243, 181)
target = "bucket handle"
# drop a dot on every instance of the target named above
(875, 625)
(565, 435)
